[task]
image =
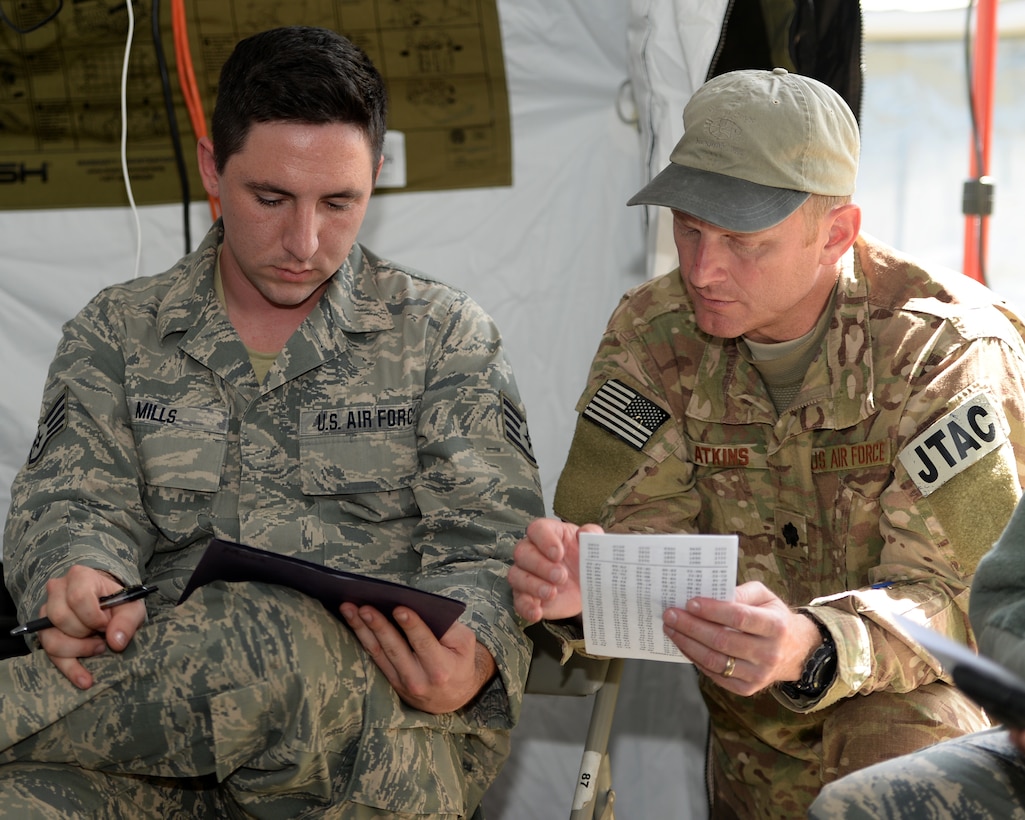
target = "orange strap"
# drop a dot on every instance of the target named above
(187, 82)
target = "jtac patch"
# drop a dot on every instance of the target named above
(625, 413)
(515, 427)
(954, 443)
(55, 420)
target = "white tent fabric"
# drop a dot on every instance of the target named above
(669, 47)
(549, 258)
(544, 256)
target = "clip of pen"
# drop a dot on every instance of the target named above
(106, 602)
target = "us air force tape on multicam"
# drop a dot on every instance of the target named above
(823, 459)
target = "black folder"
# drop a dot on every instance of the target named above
(993, 686)
(228, 561)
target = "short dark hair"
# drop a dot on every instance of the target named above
(297, 74)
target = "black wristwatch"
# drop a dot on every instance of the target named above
(819, 669)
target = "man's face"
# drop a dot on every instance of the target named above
(769, 286)
(293, 200)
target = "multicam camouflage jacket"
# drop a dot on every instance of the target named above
(877, 492)
(388, 438)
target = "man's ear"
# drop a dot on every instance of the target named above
(844, 226)
(380, 165)
(207, 167)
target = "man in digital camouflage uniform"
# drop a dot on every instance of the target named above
(981, 775)
(854, 418)
(282, 387)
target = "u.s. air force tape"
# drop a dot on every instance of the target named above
(625, 413)
(954, 443)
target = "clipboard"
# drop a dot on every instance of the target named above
(993, 686)
(229, 561)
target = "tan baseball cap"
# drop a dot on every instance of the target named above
(755, 145)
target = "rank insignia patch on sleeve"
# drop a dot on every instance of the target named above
(625, 413)
(515, 426)
(55, 420)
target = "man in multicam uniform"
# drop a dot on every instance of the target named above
(854, 418)
(283, 387)
(981, 775)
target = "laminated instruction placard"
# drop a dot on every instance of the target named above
(64, 76)
(628, 580)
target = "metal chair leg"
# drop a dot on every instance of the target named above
(594, 796)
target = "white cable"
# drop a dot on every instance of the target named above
(124, 136)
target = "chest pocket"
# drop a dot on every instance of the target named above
(364, 448)
(734, 485)
(858, 510)
(180, 448)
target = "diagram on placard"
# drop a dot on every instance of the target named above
(60, 92)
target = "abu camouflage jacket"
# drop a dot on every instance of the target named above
(388, 439)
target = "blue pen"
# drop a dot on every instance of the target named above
(106, 602)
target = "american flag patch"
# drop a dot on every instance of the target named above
(56, 419)
(515, 426)
(625, 414)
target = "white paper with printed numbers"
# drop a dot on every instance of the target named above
(628, 580)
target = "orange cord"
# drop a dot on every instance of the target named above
(187, 82)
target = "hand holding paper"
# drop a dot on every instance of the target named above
(628, 580)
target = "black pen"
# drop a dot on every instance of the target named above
(106, 602)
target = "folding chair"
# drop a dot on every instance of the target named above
(594, 796)
(580, 676)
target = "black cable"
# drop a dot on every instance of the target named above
(30, 29)
(172, 122)
(970, 73)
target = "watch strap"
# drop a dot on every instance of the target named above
(819, 670)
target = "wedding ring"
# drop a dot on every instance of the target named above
(731, 664)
